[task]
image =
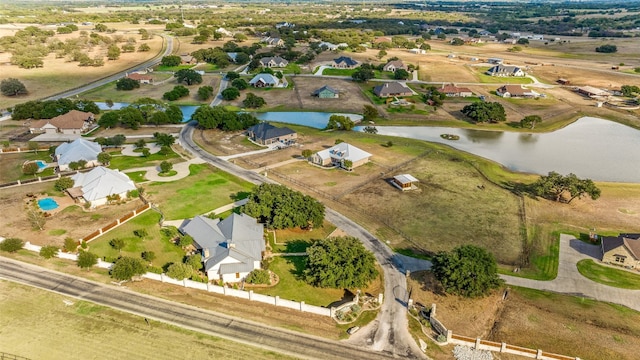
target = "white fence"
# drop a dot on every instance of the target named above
(248, 295)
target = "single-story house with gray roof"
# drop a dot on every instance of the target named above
(265, 134)
(79, 149)
(390, 89)
(267, 80)
(230, 248)
(326, 92)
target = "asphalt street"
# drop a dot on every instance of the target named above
(185, 316)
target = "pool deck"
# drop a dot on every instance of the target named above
(63, 203)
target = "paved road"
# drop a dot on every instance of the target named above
(569, 281)
(204, 321)
(389, 332)
(144, 65)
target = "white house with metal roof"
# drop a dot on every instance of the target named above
(79, 149)
(338, 154)
(98, 184)
(230, 248)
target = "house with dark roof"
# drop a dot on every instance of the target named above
(454, 91)
(230, 248)
(326, 92)
(273, 41)
(73, 122)
(622, 250)
(392, 66)
(390, 89)
(143, 79)
(344, 62)
(273, 61)
(79, 149)
(516, 91)
(505, 70)
(265, 134)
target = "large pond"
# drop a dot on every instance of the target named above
(590, 148)
(318, 120)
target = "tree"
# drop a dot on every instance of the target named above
(117, 244)
(100, 27)
(280, 207)
(240, 84)
(87, 259)
(253, 101)
(70, 245)
(341, 262)
(148, 255)
(239, 37)
(12, 87)
(127, 84)
(163, 139)
(179, 271)
(128, 48)
(607, 49)
(232, 75)
(188, 76)
(523, 41)
(171, 60)
(530, 121)
(140, 144)
(382, 53)
(230, 93)
(165, 167)
(629, 90)
(195, 261)
(104, 158)
(205, 92)
(126, 268)
(11, 245)
(564, 188)
(485, 112)
(36, 217)
(468, 271)
(340, 122)
(30, 168)
(401, 74)
(144, 48)
(363, 73)
(457, 41)
(185, 240)
(306, 153)
(49, 251)
(259, 276)
(63, 184)
(113, 53)
(369, 113)
(145, 152)
(370, 130)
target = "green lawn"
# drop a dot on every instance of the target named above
(166, 252)
(291, 287)
(11, 165)
(122, 162)
(608, 276)
(137, 176)
(338, 72)
(172, 68)
(488, 79)
(205, 189)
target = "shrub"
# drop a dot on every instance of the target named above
(48, 251)
(141, 233)
(70, 245)
(148, 255)
(63, 184)
(154, 269)
(179, 271)
(11, 245)
(259, 276)
(87, 259)
(127, 267)
(30, 168)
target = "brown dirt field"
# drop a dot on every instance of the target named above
(584, 328)
(222, 143)
(55, 77)
(351, 97)
(74, 220)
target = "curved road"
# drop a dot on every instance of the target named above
(389, 332)
(190, 317)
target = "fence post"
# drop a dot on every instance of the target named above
(477, 344)
(118, 222)
(184, 282)
(39, 179)
(208, 286)
(539, 354)
(503, 347)
(19, 182)
(277, 298)
(301, 305)
(162, 277)
(224, 290)
(449, 335)
(380, 298)
(250, 295)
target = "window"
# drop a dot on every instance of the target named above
(620, 259)
(237, 275)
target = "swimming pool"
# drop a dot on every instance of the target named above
(41, 164)
(47, 204)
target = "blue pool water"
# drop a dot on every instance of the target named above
(41, 164)
(47, 204)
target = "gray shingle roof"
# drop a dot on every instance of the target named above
(326, 87)
(79, 149)
(345, 59)
(630, 241)
(266, 131)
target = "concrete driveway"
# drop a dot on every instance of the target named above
(570, 281)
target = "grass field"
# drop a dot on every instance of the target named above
(11, 165)
(166, 252)
(608, 276)
(37, 324)
(297, 240)
(205, 189)
(123, 162)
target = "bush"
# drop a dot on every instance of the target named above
(127, 267)
(141, 233)
(148, 255)
(87, 259)
(70, 245)
(63, 184)
(154, 269)
(179, 271)
(48, 251)
(11, 245)
(30, 168)
(607, 49)
(259, 276)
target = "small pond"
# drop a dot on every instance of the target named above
(591, 148)
(316, 120)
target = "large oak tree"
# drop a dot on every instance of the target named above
(468, 271)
